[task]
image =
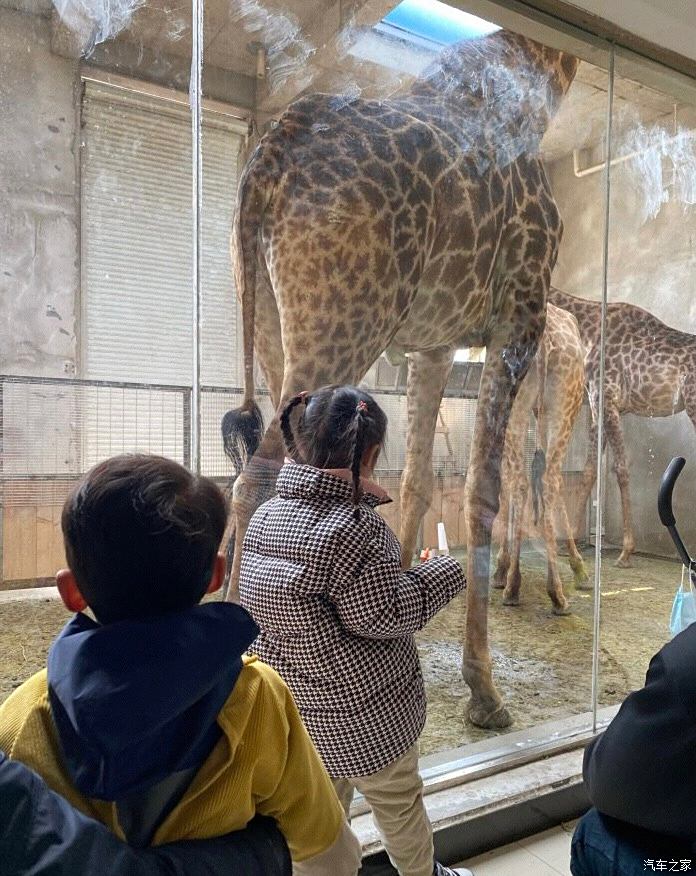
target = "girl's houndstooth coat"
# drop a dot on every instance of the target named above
(337, 616)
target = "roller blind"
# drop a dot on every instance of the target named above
(136, 241)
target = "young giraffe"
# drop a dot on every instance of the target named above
(553, 391)
(423, 223)
(650, 370)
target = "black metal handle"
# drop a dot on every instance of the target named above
(664, 496)
(664, 509)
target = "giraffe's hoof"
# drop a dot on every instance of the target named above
(481, 716)
(582, 581)
(562, 610)
(498, 583)
(511, 598)
(624, 561)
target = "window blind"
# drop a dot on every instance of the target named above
(136, 241)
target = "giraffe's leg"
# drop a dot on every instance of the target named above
(514, 482)
(427, 377)
(689, 392)
(554, 587)
(254, 486)
(589, 476)
(565, 395)
(511, 594)
(612, 420)
(262, 469)
(575, 558)
(510, 353)
(511, 484)
(503, 525)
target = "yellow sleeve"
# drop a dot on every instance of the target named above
(303, 802)
(17, 707)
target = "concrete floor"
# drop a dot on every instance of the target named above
(545, 854)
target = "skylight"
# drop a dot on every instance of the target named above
(437, 22)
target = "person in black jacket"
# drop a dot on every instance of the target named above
(42, 835)
(640, 775)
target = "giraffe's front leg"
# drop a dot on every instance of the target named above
(427, 377)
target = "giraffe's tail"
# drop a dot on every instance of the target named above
(242, 428)
(242, 431)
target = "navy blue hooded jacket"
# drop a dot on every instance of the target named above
(42, 835)
(135, 704)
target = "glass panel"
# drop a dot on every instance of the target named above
(95, 270)
(651, 349)
(401, 201)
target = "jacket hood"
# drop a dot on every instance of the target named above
(136, 701)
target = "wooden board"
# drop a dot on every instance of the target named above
(32, 542)
(19, 542)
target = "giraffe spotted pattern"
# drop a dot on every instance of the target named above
(421, 223)
(650, 371)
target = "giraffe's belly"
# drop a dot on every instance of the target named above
(653, 389)
(440, 317)
(647, 403)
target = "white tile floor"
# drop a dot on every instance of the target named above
(545, 854)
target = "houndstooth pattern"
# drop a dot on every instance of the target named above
(337, 617)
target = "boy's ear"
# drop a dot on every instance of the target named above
(218, 576)
(73, 600)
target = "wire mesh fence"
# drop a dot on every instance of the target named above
(52, 430)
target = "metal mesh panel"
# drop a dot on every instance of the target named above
(63, 427)
(52, 430)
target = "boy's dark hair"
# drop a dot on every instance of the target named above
(141, 535)
(336, 426)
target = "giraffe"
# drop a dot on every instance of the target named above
(650, 370)
(420, 224)
(553, 391)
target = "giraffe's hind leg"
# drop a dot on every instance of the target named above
(256, 482)
(510, 352)
(575, 558)
(511, 594)
(504, 523)
(589, 476)
(515, 485)
(427, 377)
(615, 437)
(552, 485)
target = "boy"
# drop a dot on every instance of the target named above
(151, 720)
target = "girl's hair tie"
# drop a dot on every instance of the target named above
(361, 407)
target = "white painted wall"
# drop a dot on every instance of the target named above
(39, 270)
(668, 23)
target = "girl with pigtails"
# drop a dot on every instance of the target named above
(321, 574)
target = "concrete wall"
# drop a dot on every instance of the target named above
(667, 23)
(651, 264)
(39, 203)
